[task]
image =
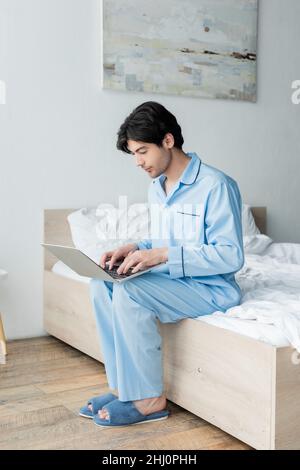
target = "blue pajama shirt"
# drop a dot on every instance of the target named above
(200, 223)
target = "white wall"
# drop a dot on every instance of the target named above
(58, 132)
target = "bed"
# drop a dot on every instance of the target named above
(246, 384)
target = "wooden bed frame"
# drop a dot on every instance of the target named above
(246, 387)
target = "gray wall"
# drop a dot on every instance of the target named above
(58, 132)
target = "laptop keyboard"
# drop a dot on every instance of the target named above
(113, 272)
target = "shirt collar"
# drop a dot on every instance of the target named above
(192, 170)
(190, 173)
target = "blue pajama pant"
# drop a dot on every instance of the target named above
(126, 318)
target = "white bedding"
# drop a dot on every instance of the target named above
(270, 307)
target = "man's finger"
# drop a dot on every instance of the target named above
(123, 268)
(115, 257)
(104, 258)
(127, 263)
(112, 261)
(137, 268)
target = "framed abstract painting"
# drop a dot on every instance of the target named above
(200, 48)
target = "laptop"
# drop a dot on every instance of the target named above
(85, 266)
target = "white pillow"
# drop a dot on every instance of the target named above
(256, 244)
(106, 227)
(248, 222)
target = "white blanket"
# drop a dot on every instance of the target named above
(271, 295)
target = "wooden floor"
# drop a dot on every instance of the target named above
(45, 382)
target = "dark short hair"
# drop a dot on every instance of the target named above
(149, 122)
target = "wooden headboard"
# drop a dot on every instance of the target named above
(57, 230)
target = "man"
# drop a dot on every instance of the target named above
(204, 205)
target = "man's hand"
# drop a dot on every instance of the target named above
(117, 254)
(143, 259)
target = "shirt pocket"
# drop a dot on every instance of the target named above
(188, 223)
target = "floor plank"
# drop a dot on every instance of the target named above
(45, 382)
